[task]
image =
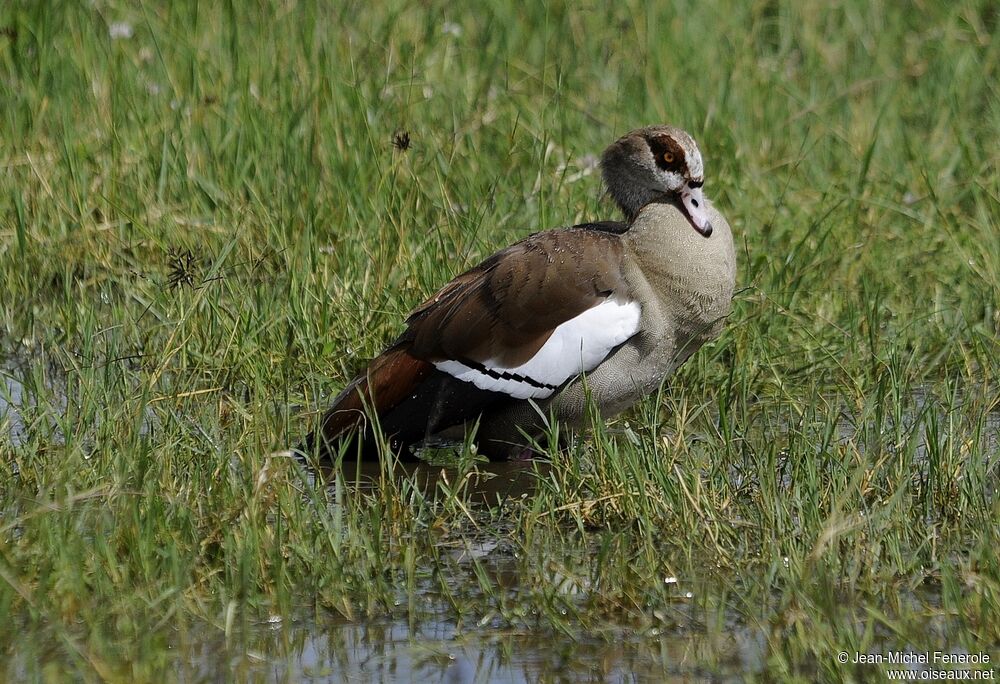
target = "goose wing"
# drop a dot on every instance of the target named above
(517, 326)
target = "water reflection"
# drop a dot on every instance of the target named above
(438, 651)
(486, 483)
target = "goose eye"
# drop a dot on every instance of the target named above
(668, 157)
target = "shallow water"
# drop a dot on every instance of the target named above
(11, 401)
(437, 651)
(431, 644)
(434, 645)
(490, 483)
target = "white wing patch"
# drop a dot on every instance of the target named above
(576, 346)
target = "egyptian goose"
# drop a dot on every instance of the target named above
(605, 310)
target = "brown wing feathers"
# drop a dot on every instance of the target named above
(503, 310)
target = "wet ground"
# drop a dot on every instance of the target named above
(430, 644)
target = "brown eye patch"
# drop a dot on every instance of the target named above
(668, 153)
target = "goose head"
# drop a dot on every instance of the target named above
(655, 163)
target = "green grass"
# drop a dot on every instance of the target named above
(821, 479)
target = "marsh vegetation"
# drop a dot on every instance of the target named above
(211, 214)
